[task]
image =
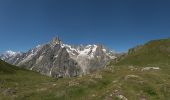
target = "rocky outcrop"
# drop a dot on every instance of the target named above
(90, 57)
(133, 50)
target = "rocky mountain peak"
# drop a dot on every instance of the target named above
(57, 59)
(55, 40)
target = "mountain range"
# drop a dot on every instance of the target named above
(140, 74)
(57, 59)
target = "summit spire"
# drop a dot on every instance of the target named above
(55, 40)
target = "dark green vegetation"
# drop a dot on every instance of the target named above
(143, 74)
(6, 68)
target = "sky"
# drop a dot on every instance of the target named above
(117, 24)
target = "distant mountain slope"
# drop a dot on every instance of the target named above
(153, 52)
(7, 54)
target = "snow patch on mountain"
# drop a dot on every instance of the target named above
(11, 53)
(32, 53)
(89, 56)
(86, 50)
(8, 54)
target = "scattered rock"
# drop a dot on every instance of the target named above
(150, 68)
(132, 68)
(9, 91)
(54, 84)
(122, 97)
(118, 94)
(131, 76)
(111, 95)
(93, 95)
(73, 83)
(97, 76)
(115, 81)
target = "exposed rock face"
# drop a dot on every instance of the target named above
(90, 57)
(61, 60)
(133, 50)
(9, 91)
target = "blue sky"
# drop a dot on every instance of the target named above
(117, 24)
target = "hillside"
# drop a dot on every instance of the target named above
(15, 81)
(154, 52)
(6, 68)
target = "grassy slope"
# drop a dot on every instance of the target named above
(107, 84)
(152, 85)
(153, 52)
(6, 68)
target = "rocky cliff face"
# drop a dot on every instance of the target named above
(61, 60)
(90, 57)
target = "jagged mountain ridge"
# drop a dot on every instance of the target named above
(60, 60)
(8, 54)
